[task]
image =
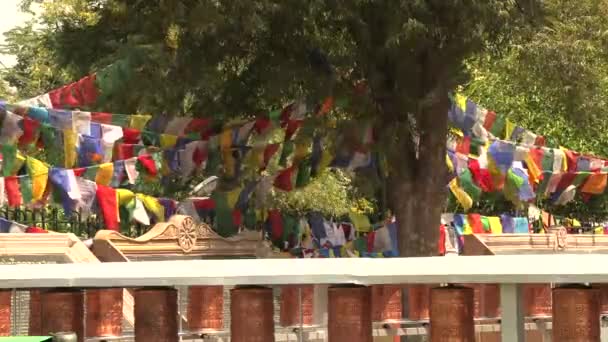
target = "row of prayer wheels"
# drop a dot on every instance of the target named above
(351, 310)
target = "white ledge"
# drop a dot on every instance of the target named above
(504, 269)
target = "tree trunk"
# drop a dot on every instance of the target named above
(418, 193)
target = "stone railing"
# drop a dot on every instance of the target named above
(87, 298)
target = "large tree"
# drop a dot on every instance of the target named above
(395, 62)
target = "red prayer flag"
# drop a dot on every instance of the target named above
(148, 164)
(108, 204)
(13, 192)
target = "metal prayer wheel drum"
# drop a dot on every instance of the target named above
(5, 312)
(62, 310)
(104, 312)
(418, 300)
(603, 288)
(350, 314)
(293, 307)
(452, 315)
(387, 303)
(251, 314)
(490, 294)
(576, 314)
(35, 324)
(537, 300)
(205, 307)
(156, 315)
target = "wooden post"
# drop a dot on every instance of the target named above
(104, 312)
(452, 314)
(251, 314)
(576, 314)
(293, 308)
(6, 297)
(156, 315)
(62, 310)
(205, 308)
(350, 314)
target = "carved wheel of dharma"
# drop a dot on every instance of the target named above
(186, 234)
(561, 238)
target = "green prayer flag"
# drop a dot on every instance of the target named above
(304, 174)
(9, 157)
(465, 180)
(25, 185)
(90, 172)
(498, 128)
(288, 148)
(580, 178)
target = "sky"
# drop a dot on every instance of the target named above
(10, 16)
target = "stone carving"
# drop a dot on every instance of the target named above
(182, 235)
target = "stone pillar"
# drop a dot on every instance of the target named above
(291, 305)
(205, 308)
(35, 324)
(104, 312)
(576, 314)
(251, 314)
(387, 303)
(6, 297)
(156, 315)
(537, 300)
(62, 310)
(418, 301)
(452, 315)
(350, 314)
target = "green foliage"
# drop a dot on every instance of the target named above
(553, 80)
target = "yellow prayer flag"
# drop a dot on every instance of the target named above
(19, 161)
(225, 147)
(509, 128)
(69, 147)
(463, 198)
(39, 173)
(495, 225)
(104, 174)
(139, 121)
(449, 163)
(153, 205)
(232, 197)
(124, 196)
(461, 101)
(167, 140)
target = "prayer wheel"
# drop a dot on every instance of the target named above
(490, 296)
(104, 312)
(205, 307)
(62, 310)
(251, 314)
(293, 307)
(349, 314)
(603, 288)
(537, 300)
(418, 300)
(387, 303)
(576, 314)
(6, 297)
(156, 318)
(35, 324)
(452, 314)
